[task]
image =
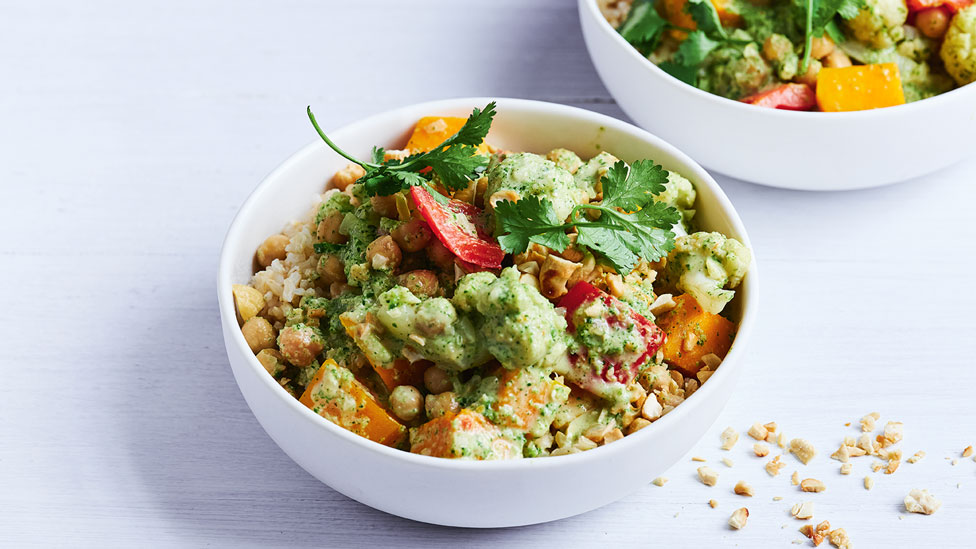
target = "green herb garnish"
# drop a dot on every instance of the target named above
(453, 162)
(631, 224)
(821, 17)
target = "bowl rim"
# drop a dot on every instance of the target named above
(902, 110)
(230, 250)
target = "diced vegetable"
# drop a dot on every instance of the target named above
(674, 12)
(952, 5)
(461, 228)
(859, 87)
(466, 434)
(249, 301)
(614, 341)
(335, 394)
(791, 96)
(431, 131)
(403, 372)
(693, 333)
(527, 400)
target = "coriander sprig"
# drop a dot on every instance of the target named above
(630, 224)
(453, 162)
(820, 18)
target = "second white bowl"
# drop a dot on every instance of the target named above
(796, 150)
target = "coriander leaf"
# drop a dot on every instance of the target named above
(455, 166)
(378, 155)
(658, 214)
(610, 244)
(820, 18)
(632, 189)
(688, 75)
(474, 130)
(529, 220)
(706, 17)
(643, 25)
(380, 182)
(695, 48)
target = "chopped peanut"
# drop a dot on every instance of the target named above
(812, 485)
(761, 450)
(738, 518)
(707, 475)
(802, 511)
(743, 489)
(729, 438)
(659, 481)
(867, 422)
(802, 449)
(774, 466)
(758, 431)
(868, 483)
(916, 457)
(922, 502)
(845, 469)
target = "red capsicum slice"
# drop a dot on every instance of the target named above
(622, 317)
(791, 97)
(952, 6)
(461, 228)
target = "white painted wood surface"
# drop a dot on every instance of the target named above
(131, 132)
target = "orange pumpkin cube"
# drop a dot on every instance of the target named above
(431, 131)
(466, 434)
(335, 394)
(527, 400)
(692, 333)
(402, 372)
(674, 12)
(859, 87)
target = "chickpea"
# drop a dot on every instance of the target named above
(347, 176)
(300, 344)
(412, 236)
(436, 380)
(383, 254)
(441, 405)
(330, 269)
(439, 255)
(338, 288)
(258, 333)
(328, 229)
(385, 206)
(421, 283)
(406, 402)
(932, 22)
(271, 249)
(837, 59)
(821, 47)
(810, 77)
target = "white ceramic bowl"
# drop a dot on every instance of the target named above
(454, 492)
(796, 150)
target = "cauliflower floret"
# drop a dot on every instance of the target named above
(879, 24)
(525, 174)
(680, 194)
(704, 264)
(959, 48)
(735, 71)
(588, 175)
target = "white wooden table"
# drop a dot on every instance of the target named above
(131, 132)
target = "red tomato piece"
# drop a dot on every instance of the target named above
(461, 228)
(792, 97)
(613, 369)
(952, 5)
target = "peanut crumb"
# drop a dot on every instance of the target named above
(742, 489)
(728, 462)
(838, 538)
(774, 466)
(893, 466)
(713, 503)
(659, 481)
(812, 485)
(707, 475)
(894, 431)
(867, 422)
(729, 437)
(781, 440)
(795, 479)
(802, 511)
(698, 458)
(777, 498)
(845, 469)
(757, 431)
(802, 449)
(809, 531)
(968, 451)
(738, 518)
(921, 501)
(760, 449)
(868, 483)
